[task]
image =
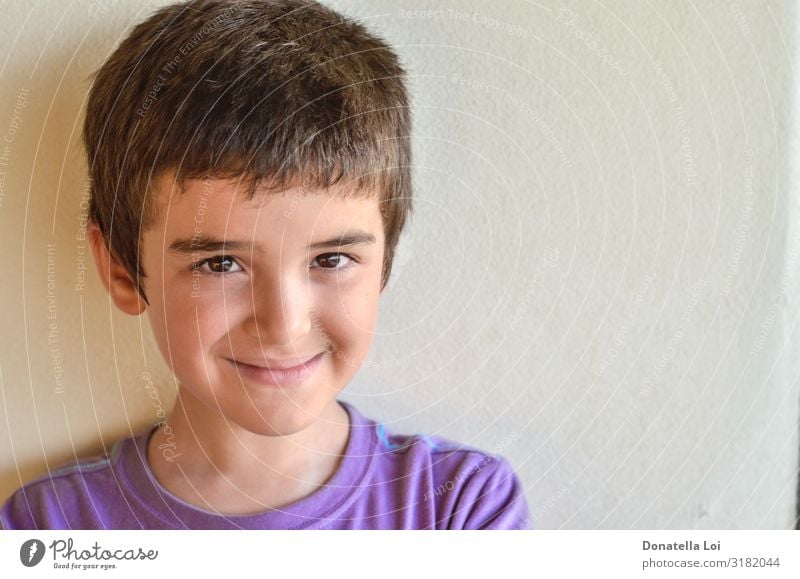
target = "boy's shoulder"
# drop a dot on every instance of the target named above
(49, 501)
(464, 485)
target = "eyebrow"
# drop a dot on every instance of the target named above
(206, 244)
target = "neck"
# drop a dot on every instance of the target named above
(208, 460)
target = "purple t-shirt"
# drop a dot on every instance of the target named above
(384, 481)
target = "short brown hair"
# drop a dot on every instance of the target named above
(270, 91)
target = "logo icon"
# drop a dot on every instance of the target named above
(31, 552)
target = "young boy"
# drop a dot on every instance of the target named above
(250, 167)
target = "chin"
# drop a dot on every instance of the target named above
(280, 426)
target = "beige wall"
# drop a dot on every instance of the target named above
(600, 282)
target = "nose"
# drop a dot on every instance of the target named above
(281, 313)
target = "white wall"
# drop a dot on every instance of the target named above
(600, 281)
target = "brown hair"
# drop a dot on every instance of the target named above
(266, 91)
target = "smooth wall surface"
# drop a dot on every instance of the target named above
(600, 281)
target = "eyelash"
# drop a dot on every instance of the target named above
(198, 264)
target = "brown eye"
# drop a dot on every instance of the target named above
(220, 264)
(217, 265)
(334, 261)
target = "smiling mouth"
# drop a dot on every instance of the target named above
(276, 368)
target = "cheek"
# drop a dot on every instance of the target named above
(352, 322)
(189, 325)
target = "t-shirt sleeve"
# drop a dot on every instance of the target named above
(35, 506)
(491, 498)
(16, 513)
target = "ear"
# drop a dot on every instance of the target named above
(113, 275)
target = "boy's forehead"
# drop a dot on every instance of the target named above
(223, 204)
(192, 192)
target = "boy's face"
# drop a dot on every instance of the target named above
(285, 291)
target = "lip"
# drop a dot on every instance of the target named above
(278, 376)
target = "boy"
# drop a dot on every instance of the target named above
(250, 167)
